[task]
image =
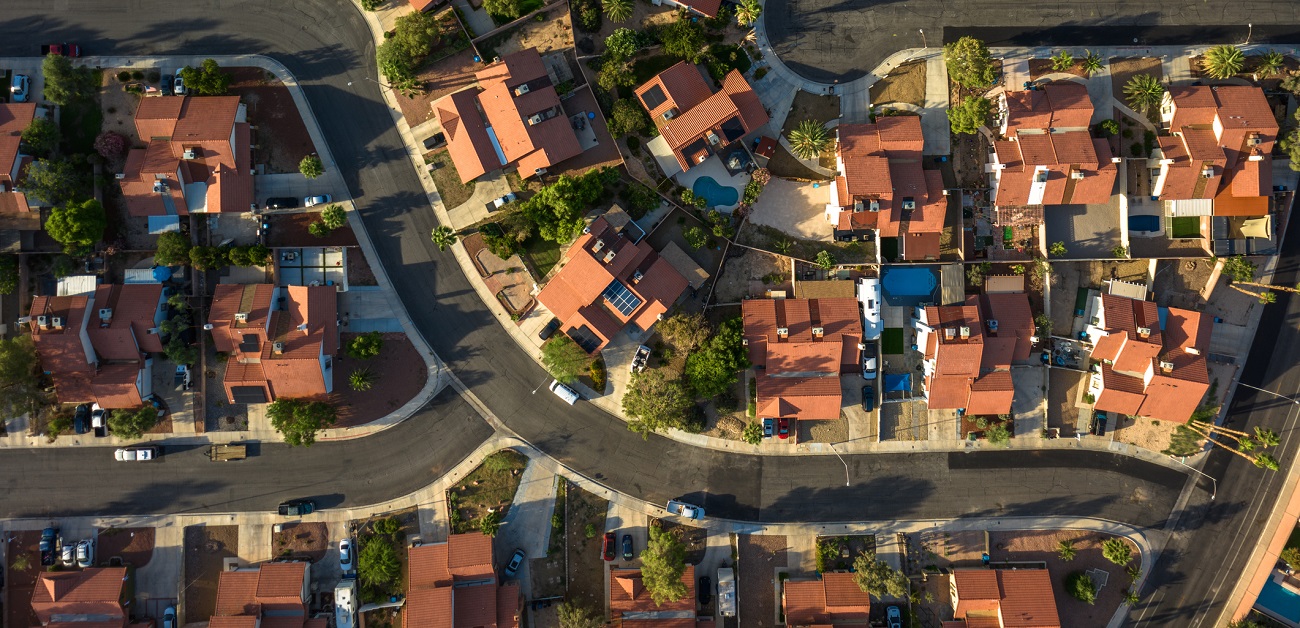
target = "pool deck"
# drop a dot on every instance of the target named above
(713, 168)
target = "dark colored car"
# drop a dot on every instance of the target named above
(81, 419)
(49, 542)
(297, 507)
(282, 202)
(868, 398)
(1099, 424)
(607, 547)
(769, 427)
(627, 547)
(437, 140)
(783, 429)
(549, 329)
(705, 590)
(165, 85)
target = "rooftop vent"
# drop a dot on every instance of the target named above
(1193, 350)
(277, 348)
(521, 90)
(106, 314)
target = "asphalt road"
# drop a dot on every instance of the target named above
(841, 40)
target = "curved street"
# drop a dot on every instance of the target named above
(327, 45)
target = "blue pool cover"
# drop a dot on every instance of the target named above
(1279, 601)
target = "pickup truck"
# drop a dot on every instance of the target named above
(226, 453)
(683, 509)
(49, 545)
(61, 50)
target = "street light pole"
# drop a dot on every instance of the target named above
(846, 465)
(1292, 400)
(377, 82)
(539, 386)
(1213, 482)
(1250, 28)
(924, 45)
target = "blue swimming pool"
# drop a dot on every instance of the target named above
(907, 286)
(1279, 601)
(1144, 223)
(716, 194)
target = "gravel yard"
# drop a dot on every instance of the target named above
(757, 559)
(1041, 546)
(206, 547)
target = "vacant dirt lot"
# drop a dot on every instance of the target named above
(281, 137)
(758, 558)
(553, 32)
(586, 568)
(751, 275)
(133, 545)
(206, 547)
(298, 540)
(808, 106)
(905, 84)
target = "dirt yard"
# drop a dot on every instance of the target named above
(752, 275)
(836, 431)
(1062, 393)
(289, 230)
(1041, 67)
(1149, 434)
(969, 153)
(695, 539)
(586, 577)
(906, 83)
(757, 560)
(281, 137)
(453, 192)
(24, 556)
(133, 545)
(489, 487)
(644, 16)
(359, 272)
(1124, 68)
(396, 381)
(1041, 546)
(551, 33)
(206, 547)
(786, 166)
(808, 106)
(297, 540)
(442, 75)
(769, 239)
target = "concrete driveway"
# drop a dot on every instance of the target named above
(486, 188)
(1088, 231)
(798, 209)
(527, 524)
(1028, 407)
(295, 185)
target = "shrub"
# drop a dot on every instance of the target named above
(598, 374)
(311, 167)
(1080, 587)
(124, 76)
(696, 237)
(132, 424)
(1117, 551)
(967, 117)
(137, 75)
(361, 380)
(752, 434)
(110, 144)
(634, 144)
(1108, 128)
(366, 346)
(627, 118)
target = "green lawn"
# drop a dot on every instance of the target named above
(645, 69)
(81, 122)
(543, 253)
(722, 59)
(1185, 227)
(891, 341)
(889, 249)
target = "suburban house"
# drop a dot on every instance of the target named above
(197, 158)
(1008, 325)
(800, 347)
(96, 346)
(273, 594)
(1003, 598)
(694, 122)
(1046, 155)
(1153, 361)
(281, 340)
(512, 119)
(17, 220)
(1216, 163)
(630, 602)
(966, 365)
(611, 281)
(453, 584)
(98, 596)
(834, 599)
(881, 190)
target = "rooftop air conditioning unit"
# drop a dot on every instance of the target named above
(586, 230)
(521, 90)
(159, 187)
(1144, 331)
(818, 332)
(670, 114)
(277, 348)
(713, 138)
(964, 331)
(909, 203)
(637, 277)
(993, 325)
(744, 342)
(1207, 171)
(1077, 175)
(153, 331)
(241, 317)
(42, 321)
(949, 333)
(600, 244)
(857, 206)
(119, 176)
(609, 257)
(189, 154)
(874, 206)
(57, 322)
(1253, 140)
(106, 314)
(1166, 366)
(701, 158)
(782, 332)
(535, 119)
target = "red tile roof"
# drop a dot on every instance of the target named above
(274, 594)
(1059, 105)
(809, 398)
(1022, 598)
(882, 163)
(453, 584)
(16, 116)
(800, 369)
(135, 310)
(467, 137)
(991, 394)
(306, 328)
(1217, 130)
(1015, 319)
(628, 595)
(1047, 131)
(836, 598)
(1174, 360)
(683, 88)
(236, 593)
(79, 597)
(702, 118)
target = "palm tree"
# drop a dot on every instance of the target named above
(1091, 62)
(1223, 62)
(1062, 61)
(1131, 597)
(444, 237)
(1243, 440)
(1065, 549)
(361, 380)
(809, 139)
(1266, 461)
(1266, 437)
(1143, 92)
(751, 36)
(748, 11)
(617, 10)
(783, 246)
(1267, 297)
(1271, 63)
(1268, 286)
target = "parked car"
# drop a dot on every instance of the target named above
(783, 429)
(99, 420)
(1098, 425)
(869, 361)
(81, 419)
(438, 139)
(515, 561)
(62, 50)
(640, 359)
(20, 88)
(182, 379)
(627, 547)
(683, 509)
(297, 507)
(769, 427)
(705, 591)
(569, 395)
(894, 617)
(498, 203)
(86, 553)
(178, 87)
(549, 329)
(279, 202)
(169, 617)
(138, 453)
(69, 555)
(345, 555)
(868, 398)
(166, 84)
(607, 546)
(49, 546)
(312, 201)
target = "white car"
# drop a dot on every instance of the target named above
(178, 87)
(143, 453)
(169, 617)
(498, 203)
(312, 201)
(345, 555)
(68, 556)
(85, 553)
(21, 87)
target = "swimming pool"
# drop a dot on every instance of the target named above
(716, 194)
(1279, 601)
(1147, 222)
(906, 286)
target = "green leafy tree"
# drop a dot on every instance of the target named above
(110, 144)
(662, 563)
(1143, 91)
(968, 116)
(1092, 62)
(366, 346)
(572, 614)
(1057, 249)
(20, 376)
(696, 237)
(1224, 61)
(1245, 623)
(173, 249)
(506, 9)
(399, 57)
(747, 12)
(1238, 268)
(684, 39)
(1062, 61)
(1117, 551)
(627, 118)
(623, 43)
(969, 63)
(809, 139)
(1120, 252)
(556, 210)
(443, 237)
(238, 256)
(259, 255)
(175, 325)
(564, 359)
(1291, 556)
(615, 74)
(207, 257)
(41, 137)
(207, 79)
(1270, 64)
(319, 229)
(8, 274)
(876, 577)
(361, 380)
(1080, 587)
(1065, 549)
(490, 523)
(752, 434)
(377, 564)
(54, 181)
(65, 84)
(686, 332)
(132, 424)
(618, 10)
(180, 352)
(656, 400)
(825, 260)
(712, 370)
(998, 435)
(311, 167)
(77, 226)
(299, 420)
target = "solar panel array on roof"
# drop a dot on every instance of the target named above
(621, 298)
(585, 339)
(249, 343)
(249, 394)
(653, 97)
(733, 129)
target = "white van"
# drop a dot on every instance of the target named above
(564, 392)
(869, 296)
